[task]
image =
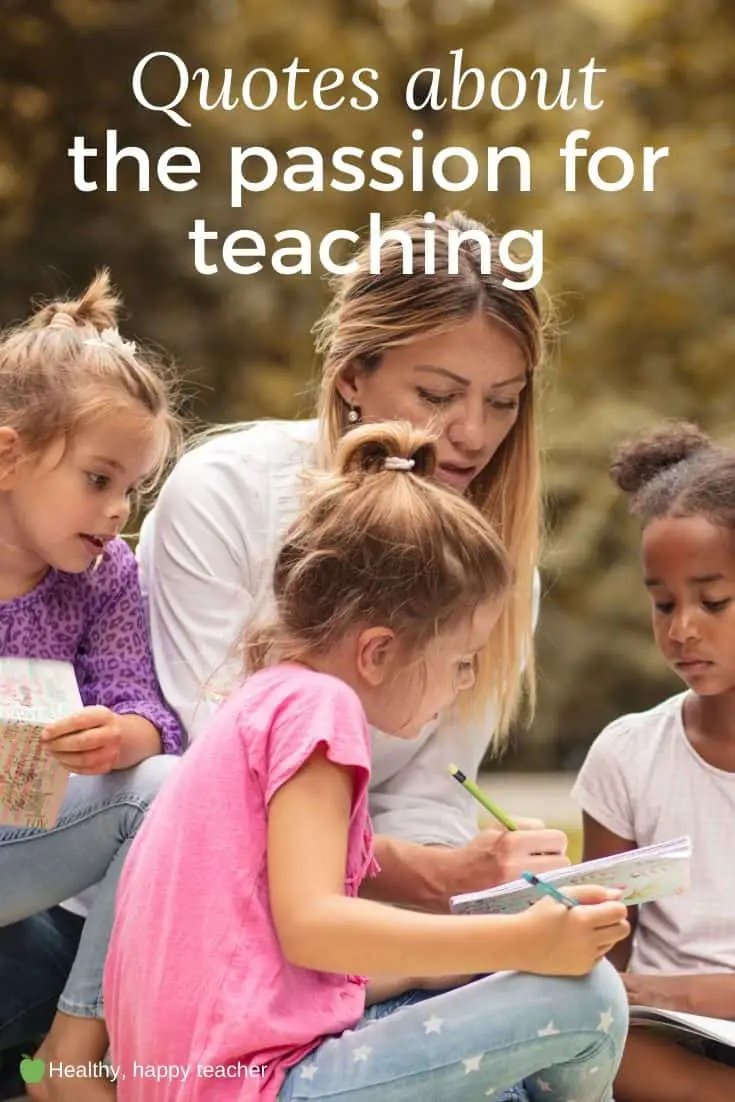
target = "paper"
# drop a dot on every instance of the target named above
(641, 874)
(684, 1025)
(33, 693)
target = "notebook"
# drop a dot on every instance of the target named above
(683, 1028)
(641, 874)
(33, 693)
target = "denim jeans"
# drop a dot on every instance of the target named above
(36, 955)
(558, 1039)
(40, 868)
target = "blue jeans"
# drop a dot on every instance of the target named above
(558, 1039)
(36, 955)
(40, 868)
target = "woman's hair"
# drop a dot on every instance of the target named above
(374, 545)
(67, 365)
(676, 471)
(369, 315)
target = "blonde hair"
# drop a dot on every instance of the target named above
(375, 545)
(67, 365)
(370, 314)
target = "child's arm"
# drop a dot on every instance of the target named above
(125, 720)
(601, 842)
(380, 988)
(711, 994)
(115, 672)
(321, 928)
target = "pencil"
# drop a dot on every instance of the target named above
(481, 798)
(549, 889)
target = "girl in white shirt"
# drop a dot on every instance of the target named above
(460, 353)
(671, 771)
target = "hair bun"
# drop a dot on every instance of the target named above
(97, 308)
(364, 450)
(639, 461)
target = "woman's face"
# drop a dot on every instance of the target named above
(464, 384)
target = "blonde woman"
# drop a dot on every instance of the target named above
(460, 353)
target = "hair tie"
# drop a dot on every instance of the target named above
(398, 463)
(62, 320)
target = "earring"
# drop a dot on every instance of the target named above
(353, 416)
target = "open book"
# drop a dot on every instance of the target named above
(641, 874)
(683, 1028)
(33, 693)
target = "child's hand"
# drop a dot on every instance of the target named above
(569, 942)
(87, 742)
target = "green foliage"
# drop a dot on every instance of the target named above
(644, 282)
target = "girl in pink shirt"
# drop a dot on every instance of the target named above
(242, 956)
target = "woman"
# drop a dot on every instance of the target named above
(460, 353)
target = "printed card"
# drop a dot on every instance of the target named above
(33, 693)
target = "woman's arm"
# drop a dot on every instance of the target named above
(601, 842)
(425, 877)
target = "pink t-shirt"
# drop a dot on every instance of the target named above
(201, 1004)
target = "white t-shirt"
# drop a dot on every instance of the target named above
(206, 556)
(644, 780)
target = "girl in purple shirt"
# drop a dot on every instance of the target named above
(85, 422)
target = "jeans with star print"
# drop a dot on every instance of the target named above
(506, 1037)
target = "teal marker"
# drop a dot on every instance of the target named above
(549, 889)
(481, 798)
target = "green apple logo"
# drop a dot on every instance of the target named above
(32, 1071)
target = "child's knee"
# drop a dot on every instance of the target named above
(149, 776)
(606, 1002)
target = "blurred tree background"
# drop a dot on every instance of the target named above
(644, 282)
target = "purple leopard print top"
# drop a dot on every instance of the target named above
(96, 621)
